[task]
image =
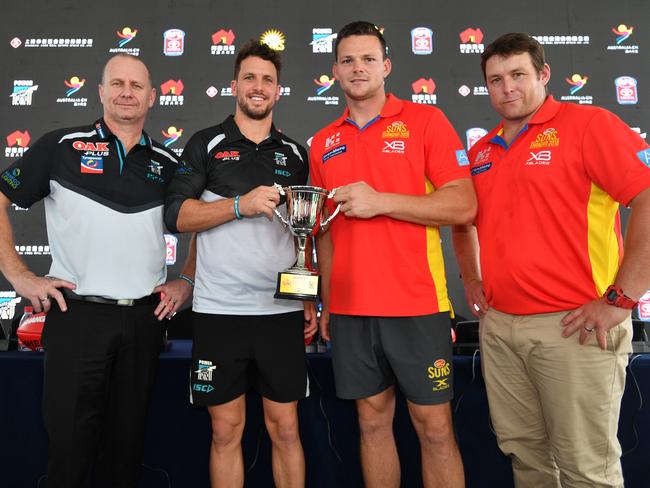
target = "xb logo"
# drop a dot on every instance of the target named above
(540, 157)
(394, 147)
(441, 384)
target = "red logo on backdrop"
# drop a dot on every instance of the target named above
(222, 36)
(424, 86)
(171, 243)
(471, 36)
(172, 87)
(17, 138)
(90, 146)
(644, 307)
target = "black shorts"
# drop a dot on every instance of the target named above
(232, 353)
(370, 354)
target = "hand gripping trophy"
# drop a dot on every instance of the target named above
(304, 219)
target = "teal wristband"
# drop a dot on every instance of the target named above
(238, 216)
(187, 279)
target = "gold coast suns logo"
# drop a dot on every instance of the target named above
(548, 138)
(439, 373)
(395, 130)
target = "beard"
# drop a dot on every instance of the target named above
(255, 114)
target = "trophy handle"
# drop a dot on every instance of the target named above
(335, 213)
(275, 210)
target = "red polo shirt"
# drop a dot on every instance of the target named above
(548, 220)
(382, 266)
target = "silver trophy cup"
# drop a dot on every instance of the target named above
(304, 219)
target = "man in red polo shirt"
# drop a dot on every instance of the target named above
(553, 290)
(401, 172)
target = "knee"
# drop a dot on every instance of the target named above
(226, 434)
(437, 436)
(374, 423)
(283, 431)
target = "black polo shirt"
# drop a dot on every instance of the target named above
(238, 261)
(103, 207)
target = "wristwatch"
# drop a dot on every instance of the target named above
(615, 296)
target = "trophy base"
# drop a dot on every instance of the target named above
(294, 285)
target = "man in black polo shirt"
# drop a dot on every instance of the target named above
(103, 186)
(243, 336)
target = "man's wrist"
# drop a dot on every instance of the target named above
(615, 296)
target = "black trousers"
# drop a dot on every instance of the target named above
(100, 365)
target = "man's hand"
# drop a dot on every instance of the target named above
(475, 297)
(41, 290)
(260, 200)
(359, 200)
(173, 295)
(310, 319)
(596, 317)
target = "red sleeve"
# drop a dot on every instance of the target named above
(615, 157)
(446, 159)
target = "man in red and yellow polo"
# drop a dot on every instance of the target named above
(554, 290)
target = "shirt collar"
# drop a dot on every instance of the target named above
(104, 133)
(544, 113)
(392, 107)
(233, 133)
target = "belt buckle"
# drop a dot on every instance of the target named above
(125, 302)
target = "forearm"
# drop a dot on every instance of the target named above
(11, 265)
(634, 274)
(429, 209)
(197, 216)
(189, 268)
(452, 203)
(466, 248)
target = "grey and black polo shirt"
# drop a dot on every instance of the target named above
(238, 262)
(103, 208)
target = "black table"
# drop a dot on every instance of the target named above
(178, 435)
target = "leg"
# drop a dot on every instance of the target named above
(379, 460)
(580, 388)
(514, 403)
(219, 382)
(288, 460)
(77, 370)
(226, 461)
(133, 377)
(441, 463)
